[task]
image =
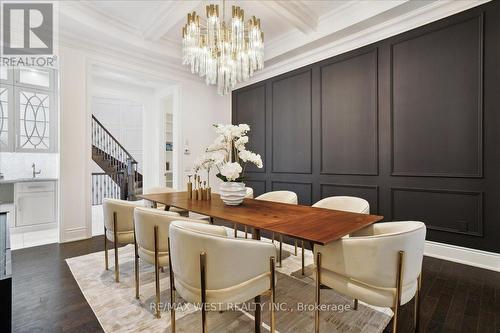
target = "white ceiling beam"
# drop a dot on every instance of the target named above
(168, 17)
(297, 13)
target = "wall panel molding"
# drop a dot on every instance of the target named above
(429, 148)
(259, 128)
(437, 127)
(444, 204)
(351, 104)
(294, 129)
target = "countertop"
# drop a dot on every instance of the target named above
(26, 180)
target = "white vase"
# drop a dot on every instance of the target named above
(232, 193)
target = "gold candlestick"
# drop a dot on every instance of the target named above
(190, 188)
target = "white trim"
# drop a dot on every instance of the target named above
(74, 234)
(463, 255)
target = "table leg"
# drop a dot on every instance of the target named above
(256, 234)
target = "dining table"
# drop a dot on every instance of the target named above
(309, 224)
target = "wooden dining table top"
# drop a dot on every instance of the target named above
(316, 225)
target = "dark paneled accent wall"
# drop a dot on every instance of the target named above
(410, 123)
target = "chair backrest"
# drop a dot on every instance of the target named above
(249, 193)
(345, 203)
(229, 261)
(372, 253)
(124, 214)
(145, 220)
(154, 190)
(279, 196)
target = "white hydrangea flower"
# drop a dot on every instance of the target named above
(231, 171)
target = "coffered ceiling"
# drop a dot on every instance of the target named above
(152, 29)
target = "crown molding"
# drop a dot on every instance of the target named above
(296, 13)
(160, 67)
(168, 17)
(341, 17)
(89, 9)
(78, 17)
(391, 26)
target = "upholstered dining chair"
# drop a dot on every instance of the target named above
(344, 203)
(288, 197)
(151, 245)
(235, 225)
(380, 265)
(118, 226)
(209, 268)
(249, 192)
(155, 190)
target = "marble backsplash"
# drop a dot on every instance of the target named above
(18, 165)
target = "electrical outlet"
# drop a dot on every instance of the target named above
(462, 225)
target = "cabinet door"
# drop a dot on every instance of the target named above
(35, 208)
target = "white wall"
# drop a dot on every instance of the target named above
(74, 183)
(201, 108)
(196, 108)
(123, 119)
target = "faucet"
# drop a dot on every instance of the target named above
(35, 172)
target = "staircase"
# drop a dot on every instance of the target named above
(120, 179)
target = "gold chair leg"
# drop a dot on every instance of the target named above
(318, 292)
(295, 242)
(172, 291)
(258, 313)
(136, 267)
(303, 260)
(203, 283)
(355, 304)
(105, 249)
(235, 230)
(157, 274)
(416, 315)
(280, 256)
(272, 298)
(115, 234)
(399, 284)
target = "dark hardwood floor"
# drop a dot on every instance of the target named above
(455, 298)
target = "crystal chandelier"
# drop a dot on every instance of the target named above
(223, 53)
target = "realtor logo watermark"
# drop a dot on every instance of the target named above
(28, 34)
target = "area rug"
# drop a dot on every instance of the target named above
(117, 310)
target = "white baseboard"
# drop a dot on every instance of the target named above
(463, 255)
(73, 234)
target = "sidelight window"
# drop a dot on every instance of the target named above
(28, 117)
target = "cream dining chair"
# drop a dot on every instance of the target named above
(210, 268)
(343, 203)
(248, 195)
(380, 265)
(155, 190)
(288, 197)
(118, 226)
(151, 246)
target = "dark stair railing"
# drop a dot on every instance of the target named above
(120, 178)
